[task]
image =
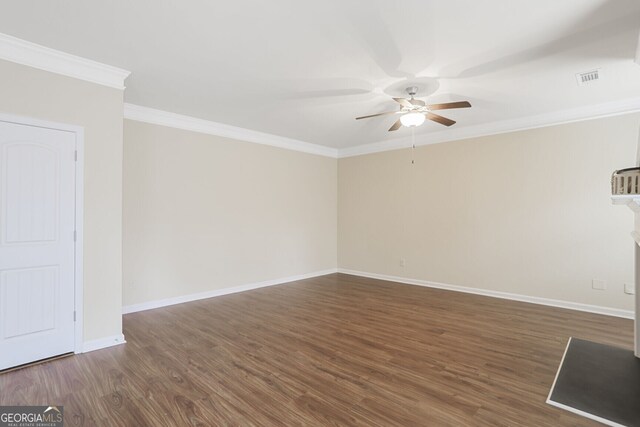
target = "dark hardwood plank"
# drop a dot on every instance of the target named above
(333, 350)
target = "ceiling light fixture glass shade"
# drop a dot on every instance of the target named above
(412, 119)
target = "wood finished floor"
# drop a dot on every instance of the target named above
(334, 350)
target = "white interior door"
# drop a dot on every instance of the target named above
(37, 247)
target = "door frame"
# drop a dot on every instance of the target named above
(78, 131)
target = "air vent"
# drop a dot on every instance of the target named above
(589, 77)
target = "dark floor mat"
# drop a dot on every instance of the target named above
(599, 381)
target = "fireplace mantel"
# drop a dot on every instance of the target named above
(633, 202)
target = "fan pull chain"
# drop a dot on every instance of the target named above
(413, 146)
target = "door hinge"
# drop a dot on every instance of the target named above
(75, 156)
(75, 235)
(74, 315)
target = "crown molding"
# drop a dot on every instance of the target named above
(34, 55)
(608, 109)
(165, 118)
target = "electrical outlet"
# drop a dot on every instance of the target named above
(600, 285)
(402, 262)
(629, 289)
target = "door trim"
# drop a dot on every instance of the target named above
(79, 212)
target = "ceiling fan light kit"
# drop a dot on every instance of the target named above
(412, 119)
(413, 112)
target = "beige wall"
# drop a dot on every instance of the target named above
(39, 94)
(526, 212)
(203, 212)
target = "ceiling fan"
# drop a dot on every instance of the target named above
(415, 111)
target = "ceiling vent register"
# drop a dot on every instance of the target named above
(589, 77)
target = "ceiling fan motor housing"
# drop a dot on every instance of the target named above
(415, 111)
(412, 90)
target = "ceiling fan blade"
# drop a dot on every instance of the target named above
(418, 102)
(403, 102)
(395, 126)
(449, 105)
(439, 119)
(376, 115)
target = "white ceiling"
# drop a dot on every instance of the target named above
(305, 70)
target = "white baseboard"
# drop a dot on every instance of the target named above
(607, 311)
(219, 292)
(101, 343)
